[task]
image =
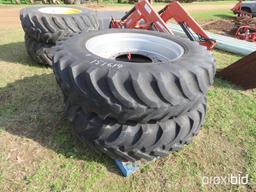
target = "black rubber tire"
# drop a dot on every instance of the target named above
(129, 93)
(49, 28)
(41, 53)
(77, 2)
(69, 1)
(136, 141)
(135, 92)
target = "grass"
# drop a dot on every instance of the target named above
(38, 152)
(205, 16)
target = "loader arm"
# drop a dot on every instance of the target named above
(142, 11)
(174, 10)
(237, 8)
(143, 16)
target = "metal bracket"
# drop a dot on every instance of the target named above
(127, 168)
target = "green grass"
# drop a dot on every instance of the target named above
(38, 152)
(212, 15)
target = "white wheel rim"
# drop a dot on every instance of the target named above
(150, 47)
(59, 10)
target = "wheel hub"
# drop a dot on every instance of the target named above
(141, 48)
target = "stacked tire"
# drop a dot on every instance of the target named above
(142, 107)
(44, 26)
(132, 94)
(76, 2)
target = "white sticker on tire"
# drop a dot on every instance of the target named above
(104, 63)
(59, 10)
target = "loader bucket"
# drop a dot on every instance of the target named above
(242, 72)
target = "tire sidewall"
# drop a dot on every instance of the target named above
(35, 10)
(192, 54)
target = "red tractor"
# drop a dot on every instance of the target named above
(245, 11)
(143, 16)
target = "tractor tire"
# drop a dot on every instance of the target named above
(246, 9)
(50, 24)
(41, 53)
(77, 2)
(69, 2)
(155, 90)
(132, 142)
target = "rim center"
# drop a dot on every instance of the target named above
(134, 58)
(134, 47)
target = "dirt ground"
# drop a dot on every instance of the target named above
(224, 27)
(9, 16)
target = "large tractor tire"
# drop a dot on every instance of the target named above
(41, 53)
(69, 1)
(50, 24)
(45, 1)
(131, 142)
(133, 75)
(76, 2)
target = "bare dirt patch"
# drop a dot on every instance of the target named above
(9, 17)
(223, 27)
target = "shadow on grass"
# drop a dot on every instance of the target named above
(222, 83)
(16, 53)
(223, 16)
(33, 108)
